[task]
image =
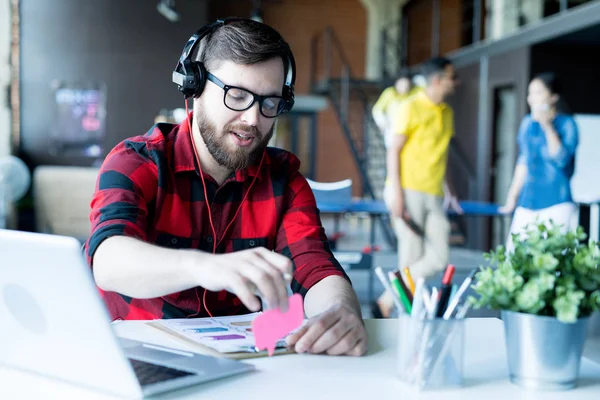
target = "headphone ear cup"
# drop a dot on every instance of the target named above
(194, 80)
(200, 77)
(288, 95)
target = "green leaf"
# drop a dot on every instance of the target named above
(594, 301)
(530, 299)
(567, 306)
(545, 262)
(564, 285)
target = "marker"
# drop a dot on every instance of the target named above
(409, 280)
(459, 293)
(425, 340)
(452, 293)
(445, 290)
(287, 278)
(401, 293)
(388, 288)
(433, 303)
(461, 314)
(418, 306)
(405, 288)
(426, 300)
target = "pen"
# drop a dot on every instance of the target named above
(287, 278)
(409, 280)
(426, 299)
(418, 305)
(425, 339)
(401, 293)
(433, 304)
(388, 288)
(405, 288)
(445, 290)
(460, 314)
(452, 293)
(459, 293)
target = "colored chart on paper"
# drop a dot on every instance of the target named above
(226, 334)
(190, 322)
(241, 323)
(227, 337)
(207, 330)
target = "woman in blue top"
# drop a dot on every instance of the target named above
(547, 139)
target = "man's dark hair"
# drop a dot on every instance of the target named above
(405, 74)
(244, 42)
(434, 66)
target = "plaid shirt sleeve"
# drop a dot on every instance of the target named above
(302, 238)
(126, 183)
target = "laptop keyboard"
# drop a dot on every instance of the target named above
(148, 373)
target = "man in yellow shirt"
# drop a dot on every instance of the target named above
(382, 110)
(417, 155)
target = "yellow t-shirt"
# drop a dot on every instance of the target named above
(387, 97)
(428, 128)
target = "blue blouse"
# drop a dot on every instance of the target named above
(548, 177)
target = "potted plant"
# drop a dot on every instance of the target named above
(546, 289)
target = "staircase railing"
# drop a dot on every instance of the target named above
(332, 75)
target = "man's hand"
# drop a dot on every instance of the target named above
(245, 272)
(337, 331)
(451, 203)
(396, 206)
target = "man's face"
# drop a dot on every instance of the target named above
(237, 139)
(448, 80)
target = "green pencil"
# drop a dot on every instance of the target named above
(401, 294)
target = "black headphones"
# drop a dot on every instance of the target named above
(190, 75)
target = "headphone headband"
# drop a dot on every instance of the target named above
(190, 75)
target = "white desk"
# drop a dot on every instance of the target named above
(310, 377)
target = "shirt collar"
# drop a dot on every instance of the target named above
(422, 96)
(184, 159)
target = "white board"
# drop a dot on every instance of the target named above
(585, 183)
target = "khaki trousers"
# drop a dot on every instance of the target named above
(423, 256)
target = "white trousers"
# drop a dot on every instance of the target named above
(565, 214)
(423, 256)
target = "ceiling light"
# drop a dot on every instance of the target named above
(167, 9)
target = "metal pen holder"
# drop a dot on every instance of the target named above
(430, 352)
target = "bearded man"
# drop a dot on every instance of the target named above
(195, 219)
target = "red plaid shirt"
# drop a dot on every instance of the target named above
(149, 187)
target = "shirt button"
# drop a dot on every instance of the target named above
(251, 243)
(174, 241)
(209, 239)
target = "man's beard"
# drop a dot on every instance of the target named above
(218, 147)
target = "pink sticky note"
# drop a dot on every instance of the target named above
(273, 325)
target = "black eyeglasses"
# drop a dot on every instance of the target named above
(240, 99)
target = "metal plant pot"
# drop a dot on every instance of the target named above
(543, 353)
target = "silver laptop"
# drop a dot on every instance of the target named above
(54, 323)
